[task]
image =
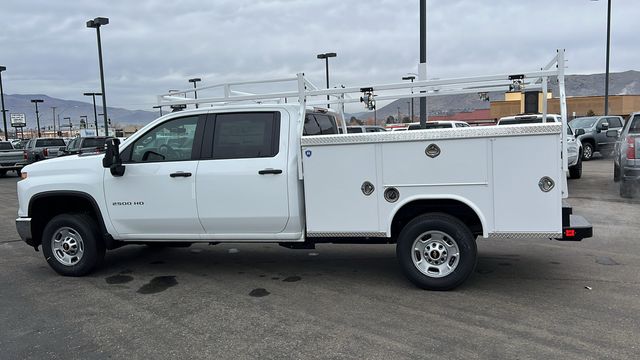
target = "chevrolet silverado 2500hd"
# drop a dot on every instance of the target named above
(245, 173)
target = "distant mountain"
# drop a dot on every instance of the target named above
(70, 108)
(622, 83)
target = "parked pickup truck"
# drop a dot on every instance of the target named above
(10, 158)
(626, 161)
(43, 148)
(245, 173)
(592, 132)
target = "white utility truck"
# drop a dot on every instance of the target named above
(240, 169)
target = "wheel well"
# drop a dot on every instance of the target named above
(43, 208)
(454, 208)
(590, 141)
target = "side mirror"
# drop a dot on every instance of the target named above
(612, 133)
(112, 158)
(602, 127)
(579, 132)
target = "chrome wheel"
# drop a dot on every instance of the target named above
(67, 246)
(435, 254)
(588, 152)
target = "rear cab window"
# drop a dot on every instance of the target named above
(5, 146)
(50, 143)
(320, 124)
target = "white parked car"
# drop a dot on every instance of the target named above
(574, 146)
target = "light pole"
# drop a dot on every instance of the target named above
(606, 77)
(195, 93)
(36, 101)
(4, 111)
(326, 57)
(410, 77)
(410, 108)
(96, 24)
(95, 111)
(423, 60)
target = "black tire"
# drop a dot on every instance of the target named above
(93, 246)
(626, 190)
(19, 173)
(587, 151)
(3, 173)
(575, 172)
(616, 172)
(456, 231)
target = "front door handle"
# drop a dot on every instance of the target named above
(180, 174)
(270, 171)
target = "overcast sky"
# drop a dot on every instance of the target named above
(151, 46)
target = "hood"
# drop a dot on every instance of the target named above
(65, 165)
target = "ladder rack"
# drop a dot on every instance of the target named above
(300, 90)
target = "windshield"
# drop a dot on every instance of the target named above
(582, 123)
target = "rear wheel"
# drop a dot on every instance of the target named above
(71, 245)
(3, 173)
(616, 172)
(436, 251)
(587, 153)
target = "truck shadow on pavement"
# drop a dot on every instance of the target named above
(330, 265)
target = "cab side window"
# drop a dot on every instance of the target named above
(614, 122)
(246, 135)
(169, 141)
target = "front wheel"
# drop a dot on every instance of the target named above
(436, 251)
(71, 244)
(575, 172)
(587, 153)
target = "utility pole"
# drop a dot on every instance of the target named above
(96, 24)
(4, 111)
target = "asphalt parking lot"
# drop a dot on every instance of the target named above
(529, 299)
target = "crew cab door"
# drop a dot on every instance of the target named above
(155, 199)
(242, 177)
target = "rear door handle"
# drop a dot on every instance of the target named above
(270, 171)
(180, 174)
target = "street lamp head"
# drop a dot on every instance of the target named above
(3, 68)
(195, 80)
(36, 101)
(326, 55)
(92, 94)
(97, 22)
(410, 77)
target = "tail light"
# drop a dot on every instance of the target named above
(45, 152)
(631, 147)
(24, 155)
(99, 149)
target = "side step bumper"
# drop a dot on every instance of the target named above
(574, 227)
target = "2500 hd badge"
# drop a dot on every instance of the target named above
(128, 203)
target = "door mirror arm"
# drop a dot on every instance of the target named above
(112, 158)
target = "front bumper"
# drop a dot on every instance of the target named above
(23, 226)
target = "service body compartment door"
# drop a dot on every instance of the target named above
(333, 180)
(519, 164)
